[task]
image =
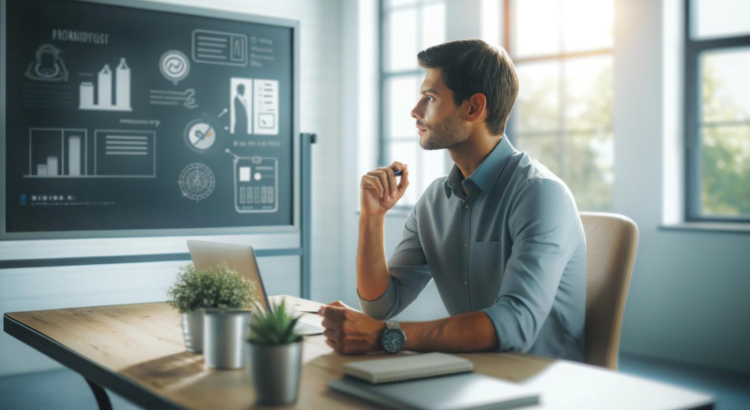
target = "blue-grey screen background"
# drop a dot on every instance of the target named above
(106, 203)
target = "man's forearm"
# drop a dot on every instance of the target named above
(372, 268)
(468, 332)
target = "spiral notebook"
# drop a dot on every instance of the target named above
(409, 367)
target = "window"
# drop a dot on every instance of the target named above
(408, 26)
(717, 111)
(562, 50)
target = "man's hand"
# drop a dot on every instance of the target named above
(348, 331)
(379, 190)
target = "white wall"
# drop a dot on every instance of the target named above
(688, 297)
(49, 288)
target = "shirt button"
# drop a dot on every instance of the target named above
(467, 206)
(466, 283)
(466, 245)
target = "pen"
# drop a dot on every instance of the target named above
(398, 173)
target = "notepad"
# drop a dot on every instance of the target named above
(409, 367)
(467, 391)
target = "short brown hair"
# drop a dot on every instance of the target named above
(473, 66)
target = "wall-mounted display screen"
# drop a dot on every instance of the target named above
(120, 119)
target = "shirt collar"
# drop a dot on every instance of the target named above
(485, 176)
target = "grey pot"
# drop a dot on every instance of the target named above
(192, 330)
(276, 372)
(224, 333)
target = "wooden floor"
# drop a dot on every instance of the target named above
(64, 390)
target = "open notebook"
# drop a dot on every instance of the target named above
(408, 367)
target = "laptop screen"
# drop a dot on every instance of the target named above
(238, 257)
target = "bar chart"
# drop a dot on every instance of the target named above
(103, 88)
(57, 152)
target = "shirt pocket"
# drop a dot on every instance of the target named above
(486, 270)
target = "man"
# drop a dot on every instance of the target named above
(240, 111)
(500, 235)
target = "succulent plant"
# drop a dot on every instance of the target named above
(274, 327)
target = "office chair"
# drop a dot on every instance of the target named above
(611, 244)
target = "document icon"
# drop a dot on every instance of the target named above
(217, 47)
(266, 107)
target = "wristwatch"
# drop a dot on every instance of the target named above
(393, 338)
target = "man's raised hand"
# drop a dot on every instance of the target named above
(379, 190)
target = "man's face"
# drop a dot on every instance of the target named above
(439, 121)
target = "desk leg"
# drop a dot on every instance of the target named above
(101, 396)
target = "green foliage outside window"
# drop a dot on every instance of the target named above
(725, 159)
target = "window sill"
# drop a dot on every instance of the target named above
(708, 227)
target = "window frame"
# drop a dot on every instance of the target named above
(561, 57)
(384, 140)
(692, 114)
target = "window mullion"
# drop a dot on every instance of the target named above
(420, 46)
(691, 121)
(381, 93)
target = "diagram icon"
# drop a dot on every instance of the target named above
(200, 135)
(174, 66)
(197, 182)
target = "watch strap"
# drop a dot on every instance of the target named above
(392, 324)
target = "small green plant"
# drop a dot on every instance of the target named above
(274, 327)
(215, 287)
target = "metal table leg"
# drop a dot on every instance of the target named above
(101, 396)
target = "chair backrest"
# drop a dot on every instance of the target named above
(611, 245)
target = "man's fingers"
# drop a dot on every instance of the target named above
(330, 324)
(404, 183)
(331, 333)
(334, 314)
(398, 166)
(338, 303)
(383, 180)
(391, 179)
(373, 183)
(380, 174)
(332, 345)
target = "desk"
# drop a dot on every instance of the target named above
(137, 351)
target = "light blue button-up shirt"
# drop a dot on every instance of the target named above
(514, 248)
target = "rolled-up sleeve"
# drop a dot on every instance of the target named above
(409, 275)
(544, 226)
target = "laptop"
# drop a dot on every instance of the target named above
(242, 259)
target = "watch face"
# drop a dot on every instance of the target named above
(393, 340)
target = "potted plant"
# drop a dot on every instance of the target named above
(276, 356)
(197, 290)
